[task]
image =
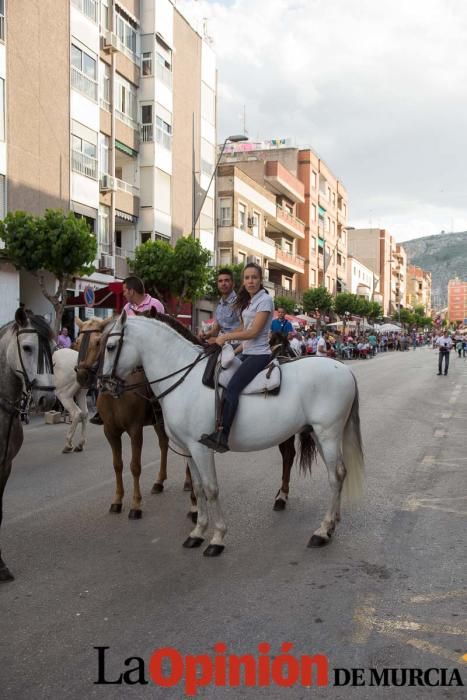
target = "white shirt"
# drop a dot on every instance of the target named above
(444, 343)
(259, 345)
(296, 346)
(321, 350)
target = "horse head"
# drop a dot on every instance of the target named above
(90, 344)
(30, 356)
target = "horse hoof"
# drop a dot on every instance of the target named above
(193, 515)
(135, 514)
(317, 541)
(187, 486)
(279, 504)
(193, 542)
(78, 448)
(115, 508)
(213, 550)
(157, 488)
(6, 575)
(66, 450)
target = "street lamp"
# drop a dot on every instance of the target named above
(236, 138)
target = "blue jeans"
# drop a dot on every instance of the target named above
(250, 367)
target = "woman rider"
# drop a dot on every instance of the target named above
(256, 311)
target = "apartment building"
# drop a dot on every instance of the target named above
(419, 288)
(362, 280)
(312, 208)
(121, 121)
(378, 251)
(457, 301)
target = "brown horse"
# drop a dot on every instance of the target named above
(136, 409)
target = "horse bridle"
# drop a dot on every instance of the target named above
(117, 386)
(82, 353)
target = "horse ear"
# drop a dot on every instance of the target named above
(21, 317)
(79, 322)
(104, 322)
(123, 318)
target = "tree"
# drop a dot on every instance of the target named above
(375, 312)
(317, 299)
(345, 302)
(179, 272)
(405, 316)
(287, 303)
(56, 242)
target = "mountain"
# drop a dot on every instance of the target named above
(444, 255)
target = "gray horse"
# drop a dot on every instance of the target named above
(25, 373)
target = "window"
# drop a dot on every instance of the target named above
(287, 283)
(208, 104)
(146, 63)
(147, 123)
(241, 258)
(328, 283)
(161, 236)
(242, 216)
(288, 246)
(313, 212)
(163, 133)
(125, 29)
(313, 243)
(104, 145)
(105, 24)
(328, 224)
(329, 194)
(2, 109)
(126, 101)
(333, 199)
(339, 259)
(162, 188)
(333, 228)
(225, 211)
(314, 179)
(255, 221)
(105, 77)
(313, 276)
(87, 7)
(345, 209)
(207, 157)
(103, 234)
(84, 159)
(145, 236)
(225, 256)
(83, 72)
(2, 197)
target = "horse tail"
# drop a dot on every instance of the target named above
(353, 453)
(307, 450)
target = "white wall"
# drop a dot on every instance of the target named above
(9, 292)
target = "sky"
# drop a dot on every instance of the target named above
(378, 89)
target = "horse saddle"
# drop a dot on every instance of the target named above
(227, 362)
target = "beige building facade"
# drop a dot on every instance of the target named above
(419, 288)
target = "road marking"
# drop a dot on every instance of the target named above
(431, 597)
(439, 432)
(441, 504)
(453, 399)
(428, 460)
(363, 616)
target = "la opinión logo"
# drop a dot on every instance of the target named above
(168, 668)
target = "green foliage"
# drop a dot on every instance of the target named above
(181, 271)
(287, 303)
(353, 304)
(345, 302)
(59, 243)
(317, 298)
(211, 288)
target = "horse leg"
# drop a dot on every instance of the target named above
(158, 485)
(188, 486)
(114, 439)
(329, 446)
(287, 449)
(81, 400)
(5, 469)
(196, 536)
(69, 405)
(203, 463)
(135, 466)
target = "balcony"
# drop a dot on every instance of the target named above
(147, 133)
(84, 164)
(246, 241)
(88, 8)
(284, 182)
(84, 84)
(122, 269)
(126, 198)
(287, 223)
(284, 292)
(287, 261)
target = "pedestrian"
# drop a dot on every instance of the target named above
(281, 324)
(444, 343)
(256, 309)
(312, 344)
(295, 343)
(322, 345)
(227, 317)
(459, 346)
(64, 340)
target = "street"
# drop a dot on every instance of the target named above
(388, 591)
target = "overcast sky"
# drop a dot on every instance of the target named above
(378, 88)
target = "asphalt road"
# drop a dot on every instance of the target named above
(388, 592)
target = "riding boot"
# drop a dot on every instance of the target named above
(217, 441)
(96, 419)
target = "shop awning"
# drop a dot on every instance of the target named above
(109, 297)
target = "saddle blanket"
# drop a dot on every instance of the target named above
(266, 381)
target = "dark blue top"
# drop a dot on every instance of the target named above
(283, 327)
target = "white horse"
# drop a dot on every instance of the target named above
(317, 394)
(72, 396)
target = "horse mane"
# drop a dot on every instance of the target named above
(173, 323)
(37, 322)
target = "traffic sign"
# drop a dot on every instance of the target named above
(89, 295)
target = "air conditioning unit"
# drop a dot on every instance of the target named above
(253, 259)
(105, 262)
(251, 222)
(107, 183)
(110, 42)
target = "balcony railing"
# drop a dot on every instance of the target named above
(88, 8)
(284, 292)
(126, 119)
(126, 187)
(84, 164)
(105, 104)
(147, 133)
(81, 82)
(287, 257)
(295, 222)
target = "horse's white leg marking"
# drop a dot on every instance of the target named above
(81, 400)
(329, 445)
(75, 415)
(202, 506)
(204, 461)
